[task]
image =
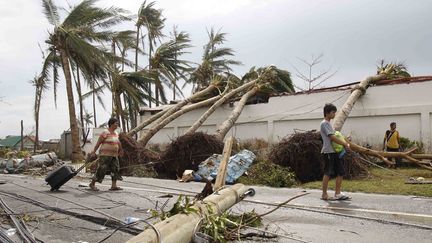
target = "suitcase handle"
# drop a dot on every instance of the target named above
(84, 165)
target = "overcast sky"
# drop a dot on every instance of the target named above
(352, 36)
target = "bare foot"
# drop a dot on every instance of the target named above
(93, 188)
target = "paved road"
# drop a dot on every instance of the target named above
(366, 218)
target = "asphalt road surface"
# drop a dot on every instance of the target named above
(76, 214)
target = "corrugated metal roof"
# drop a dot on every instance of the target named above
(10, 141)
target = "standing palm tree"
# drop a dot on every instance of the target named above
(166, 65)
(152, 19)
(214, 61)
(73, 41)
(40, 85)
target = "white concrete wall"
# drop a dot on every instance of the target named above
(407, 104)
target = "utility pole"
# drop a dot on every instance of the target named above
(22, 135)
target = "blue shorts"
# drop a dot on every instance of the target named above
(333, 165)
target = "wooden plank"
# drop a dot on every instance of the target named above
(221, 175)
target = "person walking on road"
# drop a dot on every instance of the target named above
(333, 162)
(110, 149)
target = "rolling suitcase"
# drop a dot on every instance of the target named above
(61, 175)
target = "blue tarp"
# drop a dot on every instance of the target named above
(238, 164)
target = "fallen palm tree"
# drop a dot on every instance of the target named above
(209, 91)
(162, 123)
(269, 79)
(387, 71)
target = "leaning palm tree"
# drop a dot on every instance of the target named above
(214, 61)
(175, 111)
(269, 80)
(73, 40)
(40, 85)
(384, 71)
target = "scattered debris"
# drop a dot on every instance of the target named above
(238, 164)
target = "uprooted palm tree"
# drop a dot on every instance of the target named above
(216, 87)
(384, 71)
(215, 61)
(73, 40)
(187, 151)
(180, 109)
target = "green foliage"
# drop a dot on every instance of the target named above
(225, 227)
(4, 152)
(8, 153)
(182, 205)
(406, 143)
(268, 174)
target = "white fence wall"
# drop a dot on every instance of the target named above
(407, 104)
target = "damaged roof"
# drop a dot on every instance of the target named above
(10, 141)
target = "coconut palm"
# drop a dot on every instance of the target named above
(153, 21)
(269, 80)
(214, 61)
(73, 40)
(384, 71)
(41, 86)
(166, 65)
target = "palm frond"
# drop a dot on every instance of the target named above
(51, 12)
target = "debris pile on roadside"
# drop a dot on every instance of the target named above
(39, 164)
(187, 152)
(136, 156)
(302, 153)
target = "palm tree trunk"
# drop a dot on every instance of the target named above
(124, 121)
(170, 111)
(80, 105)
(136, 49)
(228, 123)
(38, 96)
(150, 120)
(149, 66)
(94, 103)
(76, 149)
(152, 131)
(356, 93)
(218, 103)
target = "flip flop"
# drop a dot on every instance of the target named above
(328, 198)
(343, 198)
(116, 189)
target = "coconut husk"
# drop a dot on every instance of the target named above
(302, 153)
(187, 152)
(135, 156)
